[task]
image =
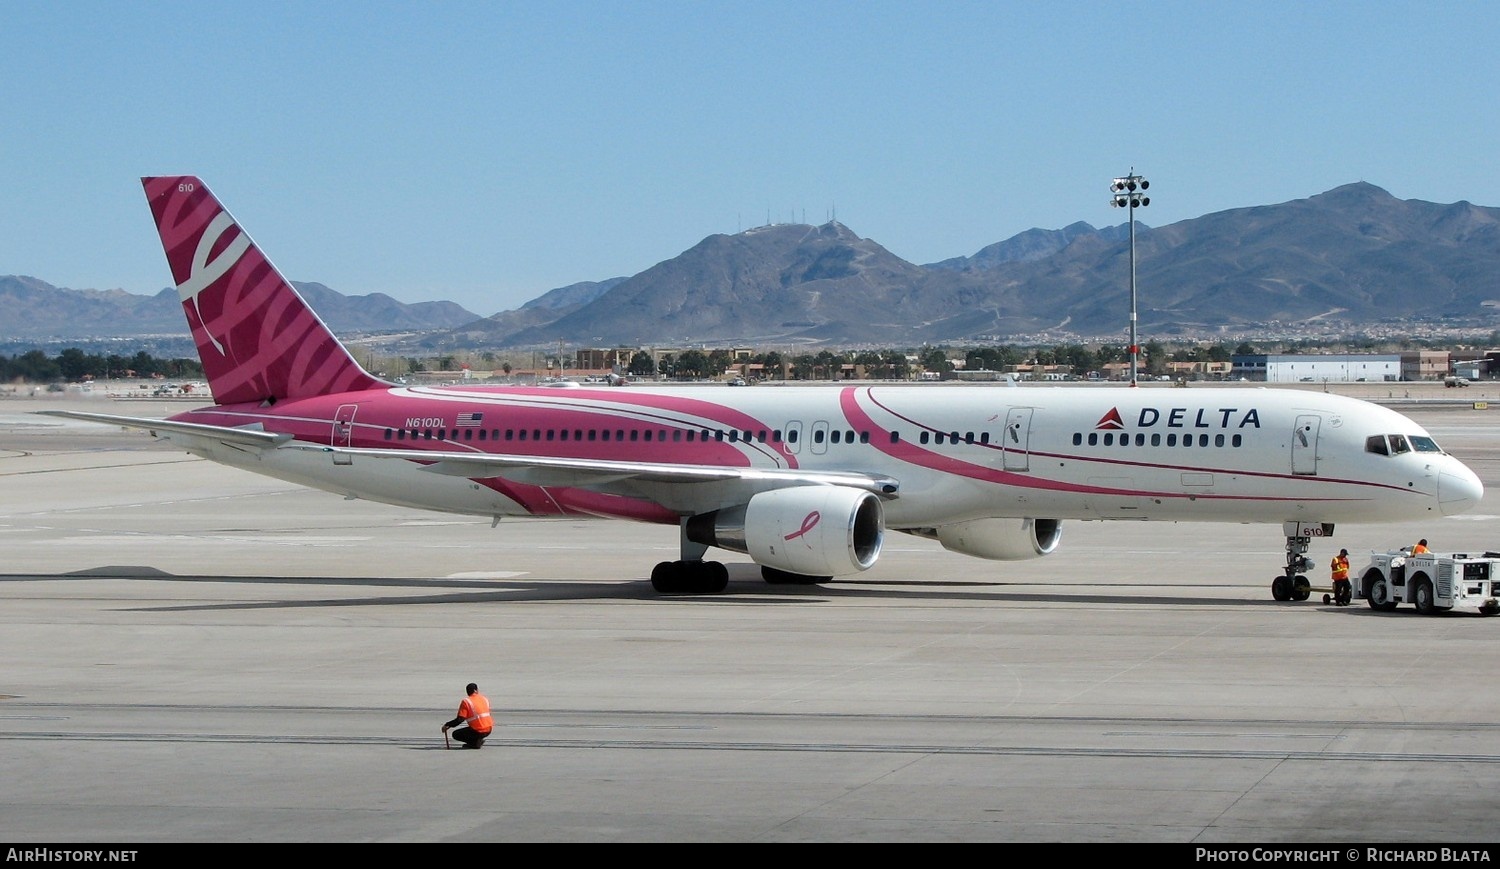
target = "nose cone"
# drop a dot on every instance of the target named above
(1459, 490)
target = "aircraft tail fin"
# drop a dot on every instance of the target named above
(258, 340)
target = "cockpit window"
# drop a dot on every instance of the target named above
(1424, 444)
(1395, 445)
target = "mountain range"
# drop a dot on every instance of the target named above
(1349, 259)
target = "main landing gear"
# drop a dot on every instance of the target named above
(692, 575)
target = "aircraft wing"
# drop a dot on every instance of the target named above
(596, 473)
(527, 470)
(249, 436)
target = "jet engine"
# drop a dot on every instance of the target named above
(998, 539)
(808, 530)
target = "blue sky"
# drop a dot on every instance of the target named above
(485, 153)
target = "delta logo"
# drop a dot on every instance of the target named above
(1110, 421)
(1183, 417)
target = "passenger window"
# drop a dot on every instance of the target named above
(1093, 438)
(1077, 438)
(1156, 439)
(923, 438)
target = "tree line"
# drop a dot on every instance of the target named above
(73, 365)
(902, 364)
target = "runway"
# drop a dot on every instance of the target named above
(194, 654)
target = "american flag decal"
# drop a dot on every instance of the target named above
(469, 420)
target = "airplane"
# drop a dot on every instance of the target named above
(806, 480)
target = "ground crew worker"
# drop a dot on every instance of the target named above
(1340, 568)
(1421, 547)
(474, 715)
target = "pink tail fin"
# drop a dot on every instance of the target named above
(259, 341)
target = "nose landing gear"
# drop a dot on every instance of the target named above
(1293, 584)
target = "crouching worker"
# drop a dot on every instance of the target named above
(474, 716)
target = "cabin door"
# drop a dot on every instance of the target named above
(1016, 439)
(343, 432)
(1305, 444)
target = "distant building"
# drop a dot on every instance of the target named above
(1425, 364)
(1337, 368)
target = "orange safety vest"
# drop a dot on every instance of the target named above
(475, 711)
(1340, 568)
(1419, 549)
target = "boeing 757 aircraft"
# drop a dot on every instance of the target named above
(807, 481)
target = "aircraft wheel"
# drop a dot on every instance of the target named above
(713, 577)
(666, 578)
(1281, 588)
(1301, 588)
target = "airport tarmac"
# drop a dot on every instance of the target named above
(193, 654)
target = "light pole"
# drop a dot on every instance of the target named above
(1129, 193)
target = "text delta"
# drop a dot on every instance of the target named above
(1177, 417)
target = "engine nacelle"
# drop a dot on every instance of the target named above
(809, 530)
(1000, 539)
